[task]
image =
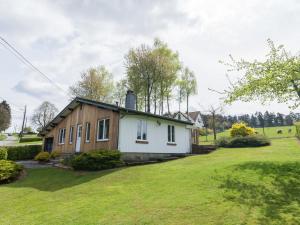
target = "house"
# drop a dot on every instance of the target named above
(193, 117)
(85, 125)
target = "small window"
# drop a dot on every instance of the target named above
(71, 135)
(61, 136)
(87, 132)
(142, 130)
(171, 134)
(103, 130)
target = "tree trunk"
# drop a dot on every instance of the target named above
(214, 126)
(168, 104)
(187, 104)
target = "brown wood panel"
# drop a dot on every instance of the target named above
(80, 116)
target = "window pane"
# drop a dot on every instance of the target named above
(169, 133)
(173, 133)
(100, 129)
(106, 129)
(71, 135)
(139, 130)
(144, 130)
(87, 131)
(64, 135)
(59, 136)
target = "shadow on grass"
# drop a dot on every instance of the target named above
(53, 179)
(276, 192)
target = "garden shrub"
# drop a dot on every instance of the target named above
(55, 154)
(42, 157)
(297, 125)
(23, 152)
(3, 153)
(247, 141)
(9, 171)
(97, 160)
(241, 129)
(30, 139)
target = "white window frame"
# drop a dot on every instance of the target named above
(71, 132)
(87, 129)
(61, 136)
(104, 130)
(172, 134)
(141, 129)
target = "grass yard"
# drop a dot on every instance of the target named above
(228, 186)
(270, 132)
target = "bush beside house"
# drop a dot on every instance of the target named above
(42, 157)
(96, 160)
(30, 139)
(9, 171)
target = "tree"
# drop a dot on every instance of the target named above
(275, 78)
(44, 114)
(120, 92)
(189, 85)
(95, 84)
(261, 120)
(151, 74)
(5, 116)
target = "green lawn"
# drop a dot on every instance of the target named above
(270, 132)
(228, 186)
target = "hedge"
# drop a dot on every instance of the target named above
(9, 171)
(96, 160)
(3, 153)
(247, 141)
(23, 152)
(30, 139)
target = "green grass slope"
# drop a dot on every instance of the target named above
(270, 132)
(229, 186)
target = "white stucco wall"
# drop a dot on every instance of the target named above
(157, 136)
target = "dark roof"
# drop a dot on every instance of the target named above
(194, 115)
(77, 101)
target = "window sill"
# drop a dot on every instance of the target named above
(141, 142)
(171, 143)
(87, 142)
(70, 143)
(102, 140)
(61, 143)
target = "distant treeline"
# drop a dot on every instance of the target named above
(259, 119)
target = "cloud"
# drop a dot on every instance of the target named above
(64, 38)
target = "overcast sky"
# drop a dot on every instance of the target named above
(64, 38)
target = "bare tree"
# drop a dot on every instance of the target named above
(44, 114)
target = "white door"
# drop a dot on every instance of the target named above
(78, 137)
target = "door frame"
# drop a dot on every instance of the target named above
(76, 143)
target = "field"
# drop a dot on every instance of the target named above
(228, 186)
(270, 132)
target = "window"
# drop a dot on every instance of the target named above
(87, 132)
(61, 136)
(103, 130)
(71, 135)
(171, 134)
(142, 130)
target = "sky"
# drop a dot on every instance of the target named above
(64, 38)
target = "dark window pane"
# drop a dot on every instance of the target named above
(169, 133)
(173, 134)
(87, 131)
(106, 129)
(100, 129)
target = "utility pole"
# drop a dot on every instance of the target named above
(23, 123)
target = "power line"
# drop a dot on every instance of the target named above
(25, 61)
